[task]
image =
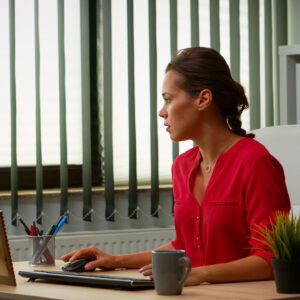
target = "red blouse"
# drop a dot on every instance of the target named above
(246, 187)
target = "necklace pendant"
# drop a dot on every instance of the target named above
(207, 169)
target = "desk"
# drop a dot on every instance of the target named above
(37, 290)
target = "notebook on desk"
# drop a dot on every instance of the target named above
(89, 279)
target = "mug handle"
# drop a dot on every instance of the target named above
(188, 266)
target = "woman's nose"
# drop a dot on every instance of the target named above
(162, 113)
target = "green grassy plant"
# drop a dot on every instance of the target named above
(282, 237)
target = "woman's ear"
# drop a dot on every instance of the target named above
(204, 99)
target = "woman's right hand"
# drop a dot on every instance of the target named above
(99, 258)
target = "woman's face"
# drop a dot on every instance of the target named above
(179, 111)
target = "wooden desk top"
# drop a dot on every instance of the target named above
(38, 290)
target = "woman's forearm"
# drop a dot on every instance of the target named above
(137, 260)
(246, 269)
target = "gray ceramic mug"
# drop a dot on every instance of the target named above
(170, 269)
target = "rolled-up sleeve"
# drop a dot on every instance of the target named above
(265, 193)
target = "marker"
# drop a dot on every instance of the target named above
(32, 232)
(35, 229)
(60, 224)
(51, 229)
(27, 230)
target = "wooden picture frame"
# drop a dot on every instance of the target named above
(7, 275)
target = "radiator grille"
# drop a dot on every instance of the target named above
(112, 241)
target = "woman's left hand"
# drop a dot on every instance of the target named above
(146, 270)
(195, 277)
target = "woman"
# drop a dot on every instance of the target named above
(222, 187)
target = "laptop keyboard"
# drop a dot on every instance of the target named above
(85, 275)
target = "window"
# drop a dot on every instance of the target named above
(49, 95)
(49, 91)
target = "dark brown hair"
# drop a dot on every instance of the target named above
(202, 68)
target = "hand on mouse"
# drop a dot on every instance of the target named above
(99, 258)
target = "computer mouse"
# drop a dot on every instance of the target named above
(76, 265)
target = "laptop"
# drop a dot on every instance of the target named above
(103, 281)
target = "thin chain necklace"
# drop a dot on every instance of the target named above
(209, 167)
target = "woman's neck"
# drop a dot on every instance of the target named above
(216, 143)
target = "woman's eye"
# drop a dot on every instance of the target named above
(167, 100)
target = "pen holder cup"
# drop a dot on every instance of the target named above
(42, 250)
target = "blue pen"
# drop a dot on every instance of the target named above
(60, 224)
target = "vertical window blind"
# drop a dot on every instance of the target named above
(42, 91)
(47, 92)
(33, 57)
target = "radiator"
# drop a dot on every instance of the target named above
(111, 241)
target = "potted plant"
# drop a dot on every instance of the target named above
(282, 237)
